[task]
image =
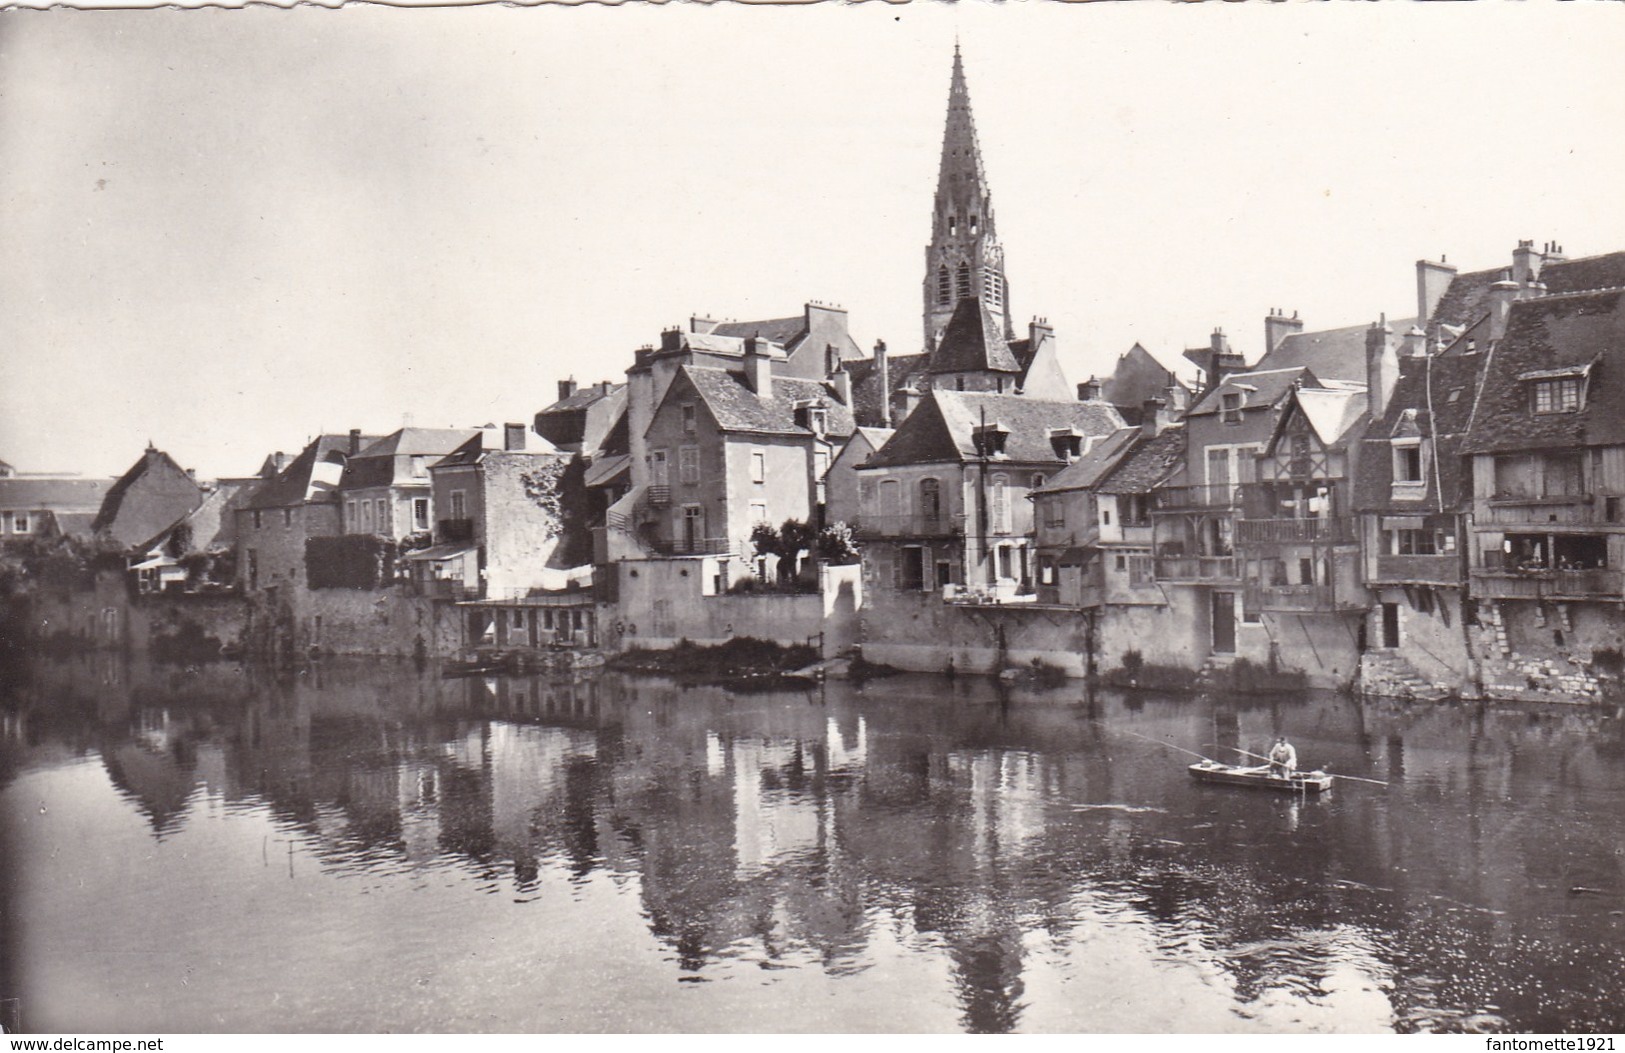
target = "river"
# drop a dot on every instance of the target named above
(367, 847)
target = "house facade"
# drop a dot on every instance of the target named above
(385, 488)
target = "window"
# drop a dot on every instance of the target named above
(253, 569)
(1038, 480)
(1105, 517)
(1046, 570)
(19, 523)
(1135, 509)
(1408, 462)
(420, 467)
(688, 464)
(689, 421)
(1055, 512)
(964, 280)
(258, 521)
(1515, 476)
(1557, 396)
(657, 468)
(758, 466)
(973, 223)
(420, 513)
(820, 463)
(366, 515)
(1564, 476)
(1001, 505)
(287, 517)
(930, 500)
(352, 521)
(758, 512)
(891, 498)
(459, 505)
(945, 286)
(992, 287)
(953, 225)
(386, 521)
(1230, 407)
(1412, 542)
(913, 569)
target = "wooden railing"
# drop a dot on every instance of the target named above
(1589, 584)
(1332, 530)
(909, 524)
(1432, 570)
(1192, 498)
(1197, 568)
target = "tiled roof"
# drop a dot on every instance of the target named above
(1452, 382)
(1260, 388)
(1088, 470)
(972, 340)
(1333, 354)
(1149, 464)
(302, 479)
(1571, 330)
(737, 408)
(942, 428)
(782, 331)
(28, 494)
(1467, 298)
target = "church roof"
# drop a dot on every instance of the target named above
(973, 341)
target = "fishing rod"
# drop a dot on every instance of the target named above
(1148, 738)
(1333, 774)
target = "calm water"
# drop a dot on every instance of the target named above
(363, 848)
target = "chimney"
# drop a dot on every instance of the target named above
(605, 387)
(1553, 254)
(567, 388)
(355, 441)
(883, 379)
(1277, 327)
(1219, 342)
(191, 473)
(758, 367)
(1525, 263)
(1381, 367)
(1432, 279)
(513, 436)
(1177, 397)
(1502, 294)
(671, 340)
(1037, 329)
(279, 459)
(842, 382)
(1153, 416)
(909, 398)
(1415, 344)
(1089, 390)
(832, 360)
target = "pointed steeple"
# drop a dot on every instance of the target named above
(964, 258)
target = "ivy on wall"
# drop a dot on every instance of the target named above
(350, 561)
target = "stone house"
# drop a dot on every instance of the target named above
(34, 506)
(150, 496)
(385, 488)
(841, 484)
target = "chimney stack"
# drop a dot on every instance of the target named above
(1277, 327)
(758, 367)
(671, 340)
(355, 441)
(1525, 263)
(567, 388)
(280, 460)
(513, 436)
(842, 382)
(1381, 367)
(909, 398)
(832, 360)
(1502, 294)
(1153, 416)
(883, 379)
(1089, 390)
(1037, 330)
(1432, 279)
(1415, 343)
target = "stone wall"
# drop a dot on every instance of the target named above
(390, 621)
(1549, 652)
(107, 616)
(918, 632)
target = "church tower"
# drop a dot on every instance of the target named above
(964, 259)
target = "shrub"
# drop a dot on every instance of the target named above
(349, 561)
(1133, 662)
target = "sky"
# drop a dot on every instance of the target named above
(225, 232)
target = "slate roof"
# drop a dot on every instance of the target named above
(737, 408)
(212, 523)
(1544, 333)
(474, 450)
(299, 481)
(1136, 377)
(1454, 383)
(113, 501)
(1148, 464)
(1260, 388)
(583, 398)
(973, 340)
(942, 428)
(30, 494)
(869, 402)
(1087, 470)
(375, 465)
(1467, 297)
(782, 331)
(1333, 354)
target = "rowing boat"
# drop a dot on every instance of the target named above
(1260, 777)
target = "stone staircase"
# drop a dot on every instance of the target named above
(1389, 675)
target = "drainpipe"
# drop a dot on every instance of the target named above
(981, 498)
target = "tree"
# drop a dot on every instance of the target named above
(836, 544)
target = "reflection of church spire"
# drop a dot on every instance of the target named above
(964, 258)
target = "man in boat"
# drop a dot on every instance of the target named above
(1283, 758)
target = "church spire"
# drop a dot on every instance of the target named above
(964, 259)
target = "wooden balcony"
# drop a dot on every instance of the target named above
(1302, 598)
(1324, 530)
(1418, 570)
(692, 546)
(1576, 510)
(1597, 583)
(1196, 498)
(1198, 569)
(910, 525)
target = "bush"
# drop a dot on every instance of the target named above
(1133, 662)
(349, 561)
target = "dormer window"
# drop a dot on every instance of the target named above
(1557, 396)
(814, 416)
(989, 439)
(1230, 407)
(1067, 443)
(1409, 467)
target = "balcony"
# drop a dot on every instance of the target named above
(1595, 583)
(1583, 510)
(658, 496)
(1418, 570)
(1322, 530)
(1198, 569)
(693, 546)
(446, 589)
(1302, 598)
(1196, 498)
(909, 525)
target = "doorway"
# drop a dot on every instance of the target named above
(1390, 626)
(1224, 623)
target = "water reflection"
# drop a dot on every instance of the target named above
(966, 856)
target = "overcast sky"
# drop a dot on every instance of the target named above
(227, 231)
